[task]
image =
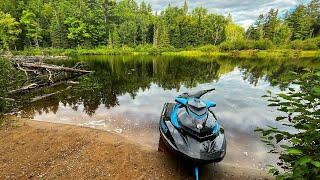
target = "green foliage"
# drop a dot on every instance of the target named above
(298, 24)
(309, 44)
(313, 9)
(9, 30)
(269, 27)
(4, 71)
(234, 32)
(208, 48)
(10, 79)
(32, 27)
(282, 34)
(300, 146)
(95, 23)
(76, 30)
(262, 44)
(236, 45)
(161, 36)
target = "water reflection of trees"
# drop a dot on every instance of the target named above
(275, 71)
(117, 76)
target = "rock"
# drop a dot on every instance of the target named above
(118, 130)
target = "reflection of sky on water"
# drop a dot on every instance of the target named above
(239, 104)
(240, 109)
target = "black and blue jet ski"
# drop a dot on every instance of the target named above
(190, 128)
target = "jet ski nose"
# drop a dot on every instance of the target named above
(196, 103)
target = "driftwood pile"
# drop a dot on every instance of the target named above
(40, 75)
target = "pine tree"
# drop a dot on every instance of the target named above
(271, 24)
(313, 11)
(300, 23)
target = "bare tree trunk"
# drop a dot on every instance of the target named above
(52, 67)
(216, 36)
(155, 35)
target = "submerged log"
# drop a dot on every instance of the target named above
(38, 98)
(35, 86)
(25, 88)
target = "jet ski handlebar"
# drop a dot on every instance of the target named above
(196, 94)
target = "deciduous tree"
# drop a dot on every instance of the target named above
(9, 30)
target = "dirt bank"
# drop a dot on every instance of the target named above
(39, 150)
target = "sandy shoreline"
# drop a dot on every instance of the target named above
(37, 150)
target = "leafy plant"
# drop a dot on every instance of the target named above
(3, 85)
(10, 79)
(300, 144)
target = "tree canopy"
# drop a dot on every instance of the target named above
(73, 23)
(301, 23)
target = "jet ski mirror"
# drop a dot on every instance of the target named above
(182, 101)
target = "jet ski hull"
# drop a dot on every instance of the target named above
(196, 149)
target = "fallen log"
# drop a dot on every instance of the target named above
(35, 86)
(40, 70)
(35, 58)
(8, 99)
(52, 68)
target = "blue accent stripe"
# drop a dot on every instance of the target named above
(210, 103)
(196, 115)
(182, 101)
(216, 128)
(174, 116)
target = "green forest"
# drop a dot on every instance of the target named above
(30, 24)
(146, 56)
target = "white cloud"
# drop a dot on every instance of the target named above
(244, 12)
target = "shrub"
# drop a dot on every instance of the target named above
(299, 158)
(143, 48)
(236, 45)
(244, 44)
(308, 44)
(263, 44)
(4, 70)
(208, 48)
(6, 83)
(226, 46)
(154, 51)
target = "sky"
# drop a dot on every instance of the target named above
(244, 12)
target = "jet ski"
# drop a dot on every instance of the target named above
(190, 128)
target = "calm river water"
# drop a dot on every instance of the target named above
(125, 95)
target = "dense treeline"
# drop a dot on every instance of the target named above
(91, 23)
(299, 24)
